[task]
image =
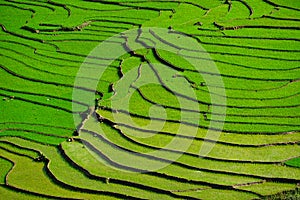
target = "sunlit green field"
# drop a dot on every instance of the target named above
(65, 134)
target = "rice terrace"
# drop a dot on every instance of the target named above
(150, 99)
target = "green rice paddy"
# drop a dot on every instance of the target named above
(217, 122)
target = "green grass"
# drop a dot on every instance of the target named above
(71, 176)
(254, 45)
(6, 166)
(172, 128)
(13, 194)
(37, 183)
(269, 188)
(220, 194)
(263, 170)
(293, 194)
(295, 162)
(87, 161)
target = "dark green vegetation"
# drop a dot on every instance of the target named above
(293, 162)
(254, 44)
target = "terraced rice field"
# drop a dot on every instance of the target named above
(150, 99)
